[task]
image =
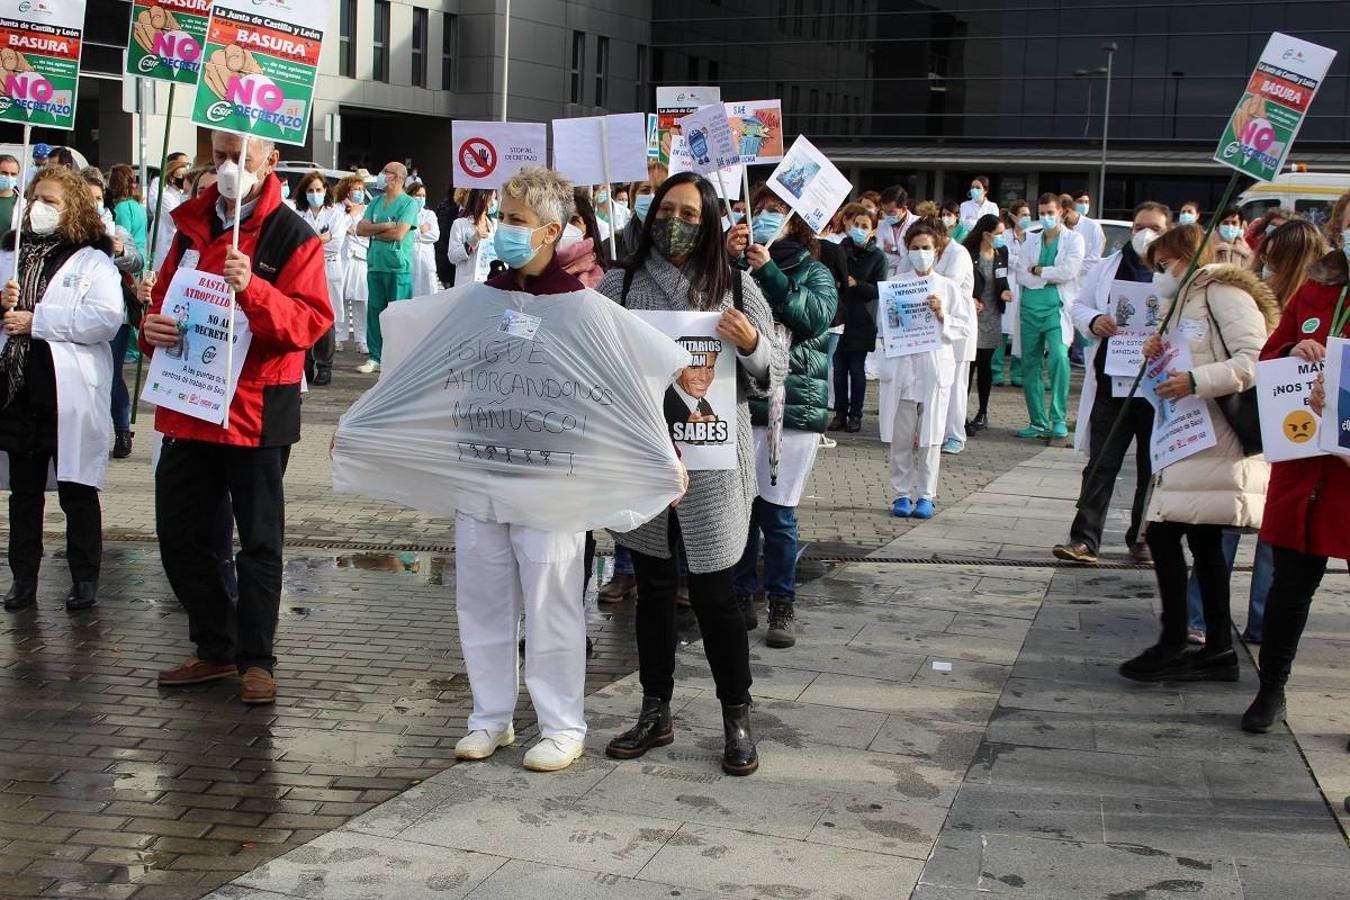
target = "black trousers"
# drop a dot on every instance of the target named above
(28, 501)
(191, 483)
(1108, 456)
(983, 371)
(850, 382)
(319, 358)
(1297, 577)
(1211, 571)
(725, 641)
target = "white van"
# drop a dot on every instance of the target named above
(1309, 194)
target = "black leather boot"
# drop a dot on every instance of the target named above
(653, 729)
(740, 756)
(122, 444)
(83, 594)
(1266, 711)
(21, 594)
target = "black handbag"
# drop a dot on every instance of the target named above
(1241, 410)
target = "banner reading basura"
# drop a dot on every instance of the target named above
(40, 61)
(166, 39)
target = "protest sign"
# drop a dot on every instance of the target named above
(1261, 131)
(40, 62)
(194, 376)
(578, 148)
(726, 182)
(700, 406)
(487, 154)
(1181, 428)
(809, 184)
(541, 411)
(908, 325)
(708, 138)
(1125, 351)
(653, 148)
(484, 255)
(1289, 427)
(166, 39)
(1334, 437)
(262, 59)
(758, 129)
(673, 103)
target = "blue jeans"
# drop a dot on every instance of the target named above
(623, 560)
(779, 525)
(1263, 573)
(121, 397)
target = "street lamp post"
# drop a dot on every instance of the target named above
(1110, 48)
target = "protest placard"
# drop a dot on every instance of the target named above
(1289, 427)
(700, 406)
(809, 184)
(487, 154)
(262, 59)
(1334, 436)
(908, 325)
(193, 377)
(758, 128)
(484, 255)
(726, 182)
(673, 103)
(1125, 351)
(653, 148)
(578, 148)
(1261, 131)
(40, 63)
(166, 39)
(1181, 428)
(708, 138)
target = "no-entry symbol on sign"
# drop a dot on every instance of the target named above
(478, 157)
(487, 154)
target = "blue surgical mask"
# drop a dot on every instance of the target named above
(381, 182)
(513, 244)
(1049, 223)
(357, 197)
(767, 226)
(493, 209)
(641, 205)
(737, 217)
(891, 220)
(8, 182)
(1000, 240)
(315, 198)
(1186, 218)
(285, 191)
(99, 208)
(601, 198)
(1024, 223)
(421, 202)
(859, 235)
(977, 194)
(1081, 208)
(1230, 233)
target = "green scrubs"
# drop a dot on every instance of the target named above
(1042, 334)
(388, 264)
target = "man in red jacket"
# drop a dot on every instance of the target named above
(278, 278)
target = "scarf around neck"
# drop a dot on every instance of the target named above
(33, 273)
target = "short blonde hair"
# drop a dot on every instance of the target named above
(544, 191)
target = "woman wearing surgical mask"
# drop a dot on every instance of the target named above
(471, 233)
(976, 206)
(424, 244)
(350, 196)
(1189, 214)
(1286, 256)
(858, 312)
(640, 195)
(987, 244)
(1229, 246)
(681, 265)
(173, 188)
(951, 221)
(127, 207)
(577, 250)
(315, 205)
(1221, 317)
(784, 259)
(56, 376)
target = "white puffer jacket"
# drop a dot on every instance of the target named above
(1219, 486)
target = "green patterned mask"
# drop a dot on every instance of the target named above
(676, 238)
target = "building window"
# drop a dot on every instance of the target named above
(347, 39)
(642, 80)
(449, 52)
(601, 69)
(419, 47)
(797, 19)
(578, 60)
(714, 70)
(380, 44)
(693, 69)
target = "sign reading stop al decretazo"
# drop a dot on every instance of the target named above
(166, 39)
(260, 62)
(1262, 130)
(40, 61)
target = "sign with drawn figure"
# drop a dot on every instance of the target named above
(579, 145)
(700, 405)
(167, 38)
(758, 129)
(487, 154)
(810, 184)
(708, 138)
(1261, 131)
(726, 182)
(653, 148)
(1181, 428)
(674, 103)
(1334, 436)
(484, 255)
(261, 62)
(1289, 427)
(40, 61)
(190, 377)
(908, 324)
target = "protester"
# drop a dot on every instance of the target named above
(1223, 314)
(979, 205)
(199, 179)
(858, 312)
(987, 243)
(315, 204)
(424, 280)
(446, 213)
(950, 216)
(1019, 215)
(895, 221)
(40, 154)
(55, 380)
(1082, 203)
(954, 262)
(127, 208)
(1229, 247)
(1305, 520)
(577, 251)
(680, 264)
(1189, 213)
(350, 194)
(1098, 319)
(1265, 225)
(640, 193)
(9, 194)
(783, 258)
(277, 274)
(1094, 239)
(172, 185)
(1048, 266)
(388, 222)
(474, 226)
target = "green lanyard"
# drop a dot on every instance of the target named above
(1338, 319)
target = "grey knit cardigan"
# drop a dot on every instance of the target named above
(714, 515)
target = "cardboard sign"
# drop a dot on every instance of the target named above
(810, 184)
(726, 182)
(653, 148)
(908, 325)
(166, 39)
(1289, 427)
(708, 138)
(1335, 437)
(673, 103)
(578, 148)
(487, 154)
(483, 258)
(700, 406)
(262, 59)
(40, 61)
(1125, 351)
(1181, 428)
(1261, 131)
(758, 128)
(190, 376)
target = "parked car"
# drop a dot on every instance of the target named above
(1310, 194)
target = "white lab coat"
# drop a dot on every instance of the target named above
(972, 211)
(354, 249)
(461, 249)
(424, 254)
(1094, 241)
(1064, 274)
(955, 263)
(891, 240)
(165, 227)
(77, 317)
(333, 221)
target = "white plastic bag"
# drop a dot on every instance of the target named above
(541, 411)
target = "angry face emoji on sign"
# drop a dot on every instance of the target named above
(1300, 426)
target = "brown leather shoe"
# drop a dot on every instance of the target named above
(1075, 551)
(259, 687)
(195, 671)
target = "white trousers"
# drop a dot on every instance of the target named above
(500, 571)
(354, 322)
(914, 470)
(959, 405)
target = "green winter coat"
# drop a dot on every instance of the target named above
(803, 297)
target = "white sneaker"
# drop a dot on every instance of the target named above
(369, 367)
(482, 743)
(828, 443)
(553, 753)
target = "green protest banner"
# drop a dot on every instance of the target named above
(1261, 131)
(40, 61)
(166, 38)
(261, 61)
